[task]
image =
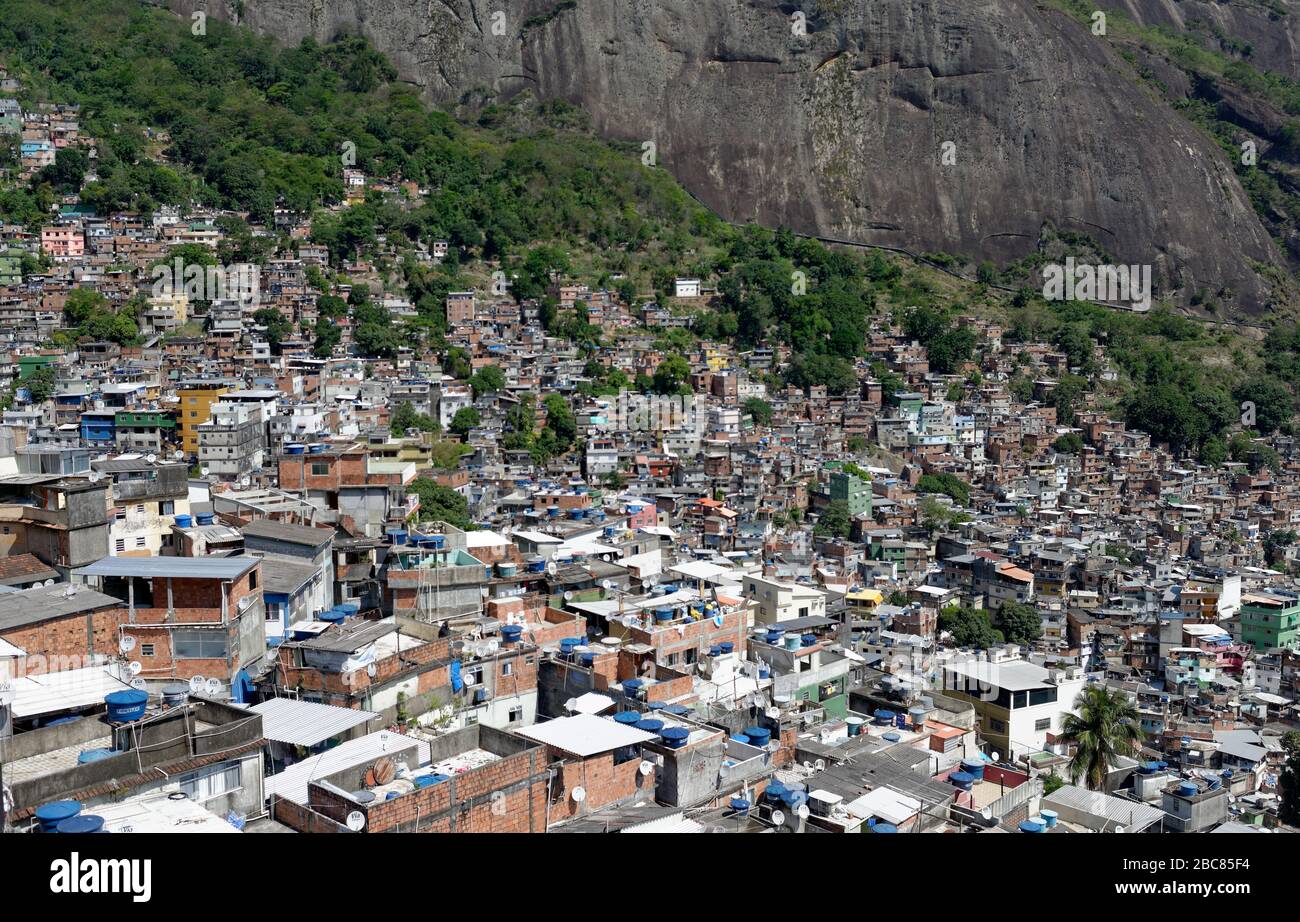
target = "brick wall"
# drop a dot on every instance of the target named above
(62, 640)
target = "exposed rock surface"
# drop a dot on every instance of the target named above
(842, 131)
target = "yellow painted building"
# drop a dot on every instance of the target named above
(194, 409)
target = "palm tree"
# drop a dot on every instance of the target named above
(1106, 726)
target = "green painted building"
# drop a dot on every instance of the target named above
(1270, 619)
(851, 490)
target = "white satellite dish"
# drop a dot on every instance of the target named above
(778, 817)
(773, 713)
(139, 684)
(774, 746)
(607, 585)
(579, 794)
(802, 811)
(197, 683)
(135, 667)
(126, 644)
(356, 821)
(203, 471)
(819, 765)
(213, 686)
(7, 694)
(646, 767)
(568, 596)
(151, 458)
(372, 671)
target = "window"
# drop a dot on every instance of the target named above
(997, 726)
(119, 545)
(515, 714)
(140, 509)
(139, 542)
(167, 507)
(252, 580)
(507, 668)
(211, 782)
(198, 645)
(1044, 724)
(320, 468)
(146, 649)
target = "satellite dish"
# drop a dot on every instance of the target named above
(802, 811)
(579, 794)
(135, 667)
(139, 684)
(126, 644)
(151, 458)
(718, 619)
(773, 712)
(778, 817)
(7, 694)
(213, 686)
(607, 585)
(568, 596)
(646, 767)
(819, 765)
(203, 471)
(197, 683)
(356, 821)
(178, 454)
(773, 746)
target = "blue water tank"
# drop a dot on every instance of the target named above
(82, 823)
(205, 518)
(891, 737)
(632, 687)
(758, 736)
(884, 828)
(126, 706)
(664, 614)
(1049, 817)
(184, 521)
(807, 640)
(883, 717)
(674, 737)
(295, 448)
(1187, 789)
(510, 634)
(740, 805)
(974, 768)
(962, 780)
(567, 644)
(1031, 826)
(396, 535)
(740, 738)
(715, 650)
(649, 725)
(677, 710)
(332, 616)
(627, 717)
(56, 811)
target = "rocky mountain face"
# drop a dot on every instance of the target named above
(965, 128)
(1265, 32)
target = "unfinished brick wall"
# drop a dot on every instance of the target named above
(62, 641)
(604, 782)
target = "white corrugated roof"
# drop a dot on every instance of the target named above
(66, 690)
(585, 734)
(306, 723)
(291, 784)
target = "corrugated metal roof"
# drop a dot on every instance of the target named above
(66, 690)
(291, 784)
(306, 723)
(1115, 811)
(34, 605)
(179, 567)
